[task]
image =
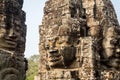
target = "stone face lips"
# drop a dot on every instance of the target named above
(12, 40)
(79, 40)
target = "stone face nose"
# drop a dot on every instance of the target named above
(12, 34)
(50, 44)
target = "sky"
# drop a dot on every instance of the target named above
(34, 15)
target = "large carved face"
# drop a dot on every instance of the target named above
(60, 52)
(9, 37)
(109, 42)
(111, 47)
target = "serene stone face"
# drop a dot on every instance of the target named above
(59, 52)
(109, 42)
(111, 49)
(12, 40)
(9, 37)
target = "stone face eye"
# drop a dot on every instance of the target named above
(59, 41)
(47, 46)
(114, 41)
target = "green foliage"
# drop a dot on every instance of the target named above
(33, 65)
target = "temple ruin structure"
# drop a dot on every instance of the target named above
(79, 40)
(12, 40)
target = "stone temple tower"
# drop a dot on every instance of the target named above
(12, 40)
(79, 40)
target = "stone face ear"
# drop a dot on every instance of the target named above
(9, 74)
(69, 55)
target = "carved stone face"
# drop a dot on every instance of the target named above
(111, 49)
(59, 52)
(9, 37)
(109, 42)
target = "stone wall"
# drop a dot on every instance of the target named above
(12, 40)
(79, 40)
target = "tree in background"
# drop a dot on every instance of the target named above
(33, 65)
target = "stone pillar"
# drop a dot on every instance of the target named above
(12, 40)
(75, 41)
